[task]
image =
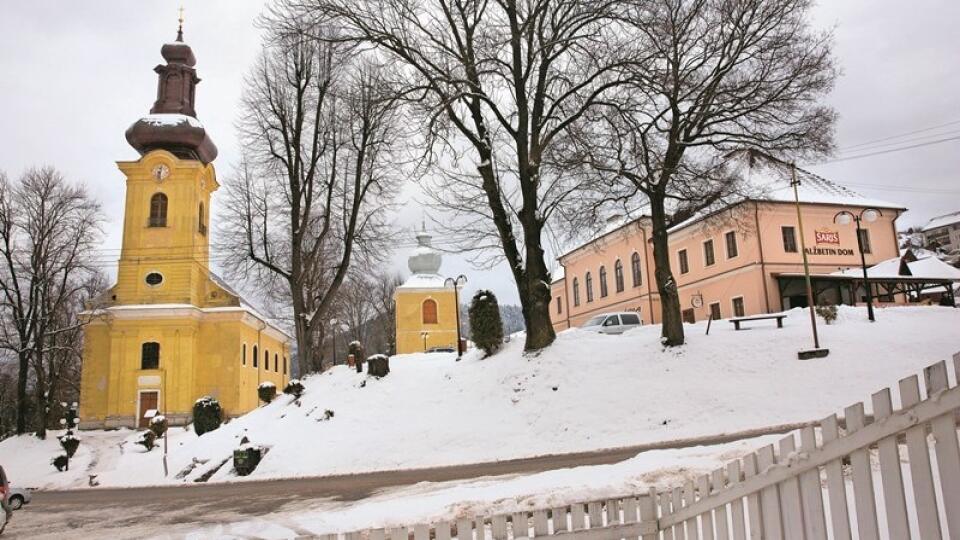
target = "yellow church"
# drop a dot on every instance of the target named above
(170, 331)
(426, 306)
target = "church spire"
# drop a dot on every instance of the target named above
(172, 123)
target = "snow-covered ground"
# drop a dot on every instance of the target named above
(434, 502)
(585, 392)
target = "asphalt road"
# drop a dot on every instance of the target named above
(175, 510)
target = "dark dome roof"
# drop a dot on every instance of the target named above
(172, 124)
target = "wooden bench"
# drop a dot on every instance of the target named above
(778, 316)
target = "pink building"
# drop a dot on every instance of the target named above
(742, 260)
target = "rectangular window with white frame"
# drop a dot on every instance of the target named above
(709, 259)
(737, 304)
(864, 240)
(789, 234)
(732, 248)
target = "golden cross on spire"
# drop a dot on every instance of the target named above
(180, 28)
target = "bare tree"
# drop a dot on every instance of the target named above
(501, 82)
(384, 287)
(320, 137)
(717, 75)
(48, 229)
(355, 306)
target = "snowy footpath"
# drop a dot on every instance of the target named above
(586, 392)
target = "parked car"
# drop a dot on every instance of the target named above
(612, 323)
(18, 497)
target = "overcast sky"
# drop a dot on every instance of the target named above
(75, 75)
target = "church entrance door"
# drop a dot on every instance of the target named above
(148, 400)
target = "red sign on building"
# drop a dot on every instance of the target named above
(828, 237)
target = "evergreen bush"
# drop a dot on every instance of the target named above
(207, 415)
(486, 326)
(246, 458)
(267, 391)
(70, 443)
(61, 462)
(158, 425)
(828, 313)
(147, 439)
(294, 388)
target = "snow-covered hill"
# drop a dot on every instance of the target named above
(585, 392)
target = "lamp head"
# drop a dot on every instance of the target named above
(843, 218)
(870, 215)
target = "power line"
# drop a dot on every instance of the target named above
(889, 151)
(865, 143)
(921, 138)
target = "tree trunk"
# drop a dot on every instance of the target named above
(305, 349)
(22, 373)
(672, 323)
(535, 301)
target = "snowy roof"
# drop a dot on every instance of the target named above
(926, 268)
(424, 281)
(763, 179)
(170, 119)
(768, 180)
(942, 221)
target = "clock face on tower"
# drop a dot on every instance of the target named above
(161, 172)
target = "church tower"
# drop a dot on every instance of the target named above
(170, 331)
(426, 306)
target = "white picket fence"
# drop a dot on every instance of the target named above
(827, 487)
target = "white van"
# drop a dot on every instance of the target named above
(613, 323)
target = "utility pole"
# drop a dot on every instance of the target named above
(816, 352)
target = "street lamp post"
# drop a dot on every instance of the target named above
(460, 281)
(333, 330)
(869, 215)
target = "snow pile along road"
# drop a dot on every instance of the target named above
(586, 392)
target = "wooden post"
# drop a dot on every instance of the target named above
(803, 355)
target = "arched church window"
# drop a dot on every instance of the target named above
(276, 362)
(603, 281)
(150, 355)
(635, 268)
(202, 226)
(576, 292)
(243, 355)
(429, 311)
(158, 210)
(589, 285)
(266, 360)
(255, 356)
(618, 275)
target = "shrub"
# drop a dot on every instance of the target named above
(486, 326)
(267, 391)
(246, 458)
(61, 462)
(70, 443)
(207, 415)
(828, 313)
(294, 388)
(378, 365)
(158, 425)
(147, 439)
